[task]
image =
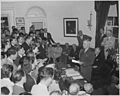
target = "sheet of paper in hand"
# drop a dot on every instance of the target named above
(75, 61)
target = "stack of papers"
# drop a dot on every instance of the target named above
(77, 77)
(74, 74)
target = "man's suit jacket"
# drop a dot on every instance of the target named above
(42, 51)
(87, 58)
(16, 61)
(101, 39)
(75, 53)
(29, 83)
(99, 62)
(80, 40)
(26, 46)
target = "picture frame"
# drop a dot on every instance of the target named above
(70, 26)
(20, 20)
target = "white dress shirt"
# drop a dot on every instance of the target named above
(5, 82)
(40, 90)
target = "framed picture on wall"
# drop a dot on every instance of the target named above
(70, 26)
(20, 20)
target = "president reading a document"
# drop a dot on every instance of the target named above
(86, 58)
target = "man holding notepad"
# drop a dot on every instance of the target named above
(86, 58)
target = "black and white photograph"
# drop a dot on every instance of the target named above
(60, 48)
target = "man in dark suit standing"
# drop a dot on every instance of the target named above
(48, 36)
(81, 37)
(102, 36)
(86, 57)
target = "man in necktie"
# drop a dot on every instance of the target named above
(86, 58)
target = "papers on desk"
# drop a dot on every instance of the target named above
(73, 73)
(77, 77)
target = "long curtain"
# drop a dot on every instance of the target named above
(101, 8)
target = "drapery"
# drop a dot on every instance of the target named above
(102, 9)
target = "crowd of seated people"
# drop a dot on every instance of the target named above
(25, 60)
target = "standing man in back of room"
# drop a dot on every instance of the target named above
(81, 37)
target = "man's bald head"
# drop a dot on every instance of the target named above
(74, 89)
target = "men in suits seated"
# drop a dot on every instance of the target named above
(66, 49)
(57, 51)
(26, 44)
(81, 37)
(11, 56)
(74, 52)
(86, 58)
(45, 34)
(21, 53)
(65, 53)
(50, 51)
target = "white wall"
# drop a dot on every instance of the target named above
(56, 11)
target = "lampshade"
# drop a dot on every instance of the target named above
(112, 11)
